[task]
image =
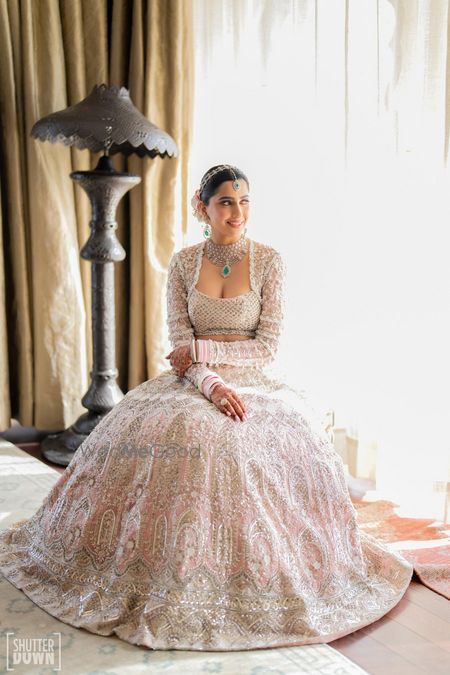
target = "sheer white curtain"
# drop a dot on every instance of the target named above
(338, 111)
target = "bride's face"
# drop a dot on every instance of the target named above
(228, 209)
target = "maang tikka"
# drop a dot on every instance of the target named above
(236, 184)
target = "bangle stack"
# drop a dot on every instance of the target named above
(208, 384)
(200, 351)
(193, 351)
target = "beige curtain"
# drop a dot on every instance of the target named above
(4, 368)
(53, 53)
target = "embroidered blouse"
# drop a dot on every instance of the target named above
(258, 313)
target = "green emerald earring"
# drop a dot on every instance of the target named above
(206, 231)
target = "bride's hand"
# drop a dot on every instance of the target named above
(180, 359)
(235, 406)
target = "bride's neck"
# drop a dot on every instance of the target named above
(225, 241)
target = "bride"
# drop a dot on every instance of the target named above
(209, 509)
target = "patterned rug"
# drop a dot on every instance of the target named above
(24, 482)
(424, 542)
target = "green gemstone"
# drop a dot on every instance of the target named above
(226, 270)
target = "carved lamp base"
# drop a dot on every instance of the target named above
(105, 187)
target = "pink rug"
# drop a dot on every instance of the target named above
(432, 562)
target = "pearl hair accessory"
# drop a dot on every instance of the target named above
(218, 169)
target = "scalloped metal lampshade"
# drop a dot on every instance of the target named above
(105, 120)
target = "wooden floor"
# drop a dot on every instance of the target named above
(412, 639)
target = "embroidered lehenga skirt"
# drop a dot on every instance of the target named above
(178, 527)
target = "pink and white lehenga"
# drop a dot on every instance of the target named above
(177, 527)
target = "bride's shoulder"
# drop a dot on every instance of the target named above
(186, 255)
(189, 252)
(265, 252)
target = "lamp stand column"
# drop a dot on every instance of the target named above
(105, 188)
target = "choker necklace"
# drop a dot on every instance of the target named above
(225, 255)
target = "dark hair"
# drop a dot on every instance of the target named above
(217, 179)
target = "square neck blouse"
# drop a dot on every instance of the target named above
(233, 297)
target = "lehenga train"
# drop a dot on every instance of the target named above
(177, 527)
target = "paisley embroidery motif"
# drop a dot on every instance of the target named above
(176, 527)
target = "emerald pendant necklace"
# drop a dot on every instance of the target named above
(225, 255)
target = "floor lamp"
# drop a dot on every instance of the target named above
(105, 121)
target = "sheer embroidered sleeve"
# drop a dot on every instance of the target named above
(179, 325)
(263, 348)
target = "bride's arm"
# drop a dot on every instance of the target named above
(263, 348)
(179, 325)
